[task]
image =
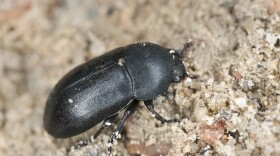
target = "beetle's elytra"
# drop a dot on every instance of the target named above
(100, 88)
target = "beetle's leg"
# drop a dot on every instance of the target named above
(116, 135)
(150, 106)
(107, 122)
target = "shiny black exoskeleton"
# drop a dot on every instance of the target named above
(100, 88)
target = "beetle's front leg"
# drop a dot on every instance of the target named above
(116, 135)
(150, 106)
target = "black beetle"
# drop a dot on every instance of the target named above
(100, 88)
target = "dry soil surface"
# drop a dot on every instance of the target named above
(231, 108)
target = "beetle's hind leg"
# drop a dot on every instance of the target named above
(150, 106)
(116, 135)
(107, 122)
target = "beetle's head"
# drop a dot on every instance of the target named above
(179, 70)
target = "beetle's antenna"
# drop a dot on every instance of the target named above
(186, 48)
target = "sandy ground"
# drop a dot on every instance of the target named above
(232, 108)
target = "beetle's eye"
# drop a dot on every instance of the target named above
(176, 79)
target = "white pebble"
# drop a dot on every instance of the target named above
(250, 83)
(241, 102)
(189, 79)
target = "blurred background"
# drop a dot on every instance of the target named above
(232, 108)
